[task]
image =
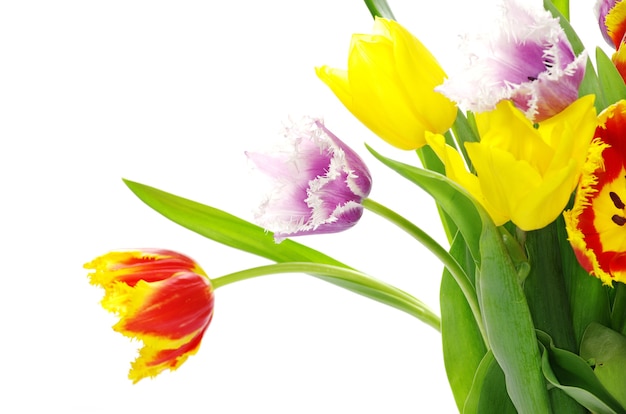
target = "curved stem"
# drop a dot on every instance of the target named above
(344, 277)
(442, 254)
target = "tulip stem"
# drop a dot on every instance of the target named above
(442, 254)
(344, 277)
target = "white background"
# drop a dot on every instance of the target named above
(170, 93)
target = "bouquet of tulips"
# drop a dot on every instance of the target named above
(524, 153)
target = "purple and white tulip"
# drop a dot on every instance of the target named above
(318, 183)
(527, 60)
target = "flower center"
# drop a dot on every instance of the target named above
(619, 204)
(610, 214)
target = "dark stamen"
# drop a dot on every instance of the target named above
(616, 200)
(531, 79)
(619, 220)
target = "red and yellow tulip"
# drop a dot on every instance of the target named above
(163, 298)
(596, 223)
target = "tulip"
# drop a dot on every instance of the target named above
(612, 20)
(389, 86)
(595, 224)
(528, 60)
(523, 174)
(163, 299)
(318, 183)
(602, 10)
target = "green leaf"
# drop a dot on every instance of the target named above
(618, 312)
(431, 162)
(591, 86)
(588, 299)
(544, 287)
(234, 232)
(571, 374)
(225, 228)
(464, 132)
(379, 8)
(509, 325)
(488, 393)
(611, 81)
(458, 326)
(504, 308)
(607, 349)
(563, 7)
(453, 199)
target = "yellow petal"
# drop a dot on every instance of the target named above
(457, 172)
(544, 204)
(337, 81)
(503, 179)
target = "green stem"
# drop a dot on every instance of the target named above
(442, 254)
(563, 6)
(349, 278)
(379, 8)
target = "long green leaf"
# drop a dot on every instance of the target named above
(547, 299)
(458, 326)
(504, 308)
(588, 299)
(225, 228)
(509, 325)
(431, 162)
(618, 311)
(611, 81)
(464, 132)
(453, 199)
(379, 8)
(563, 7)
(232, 231)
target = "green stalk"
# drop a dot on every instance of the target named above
(563, 6)
(548, 300)
(442, 254)
(344, 277)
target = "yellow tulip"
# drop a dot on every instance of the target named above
(524, 173)
(389, 86)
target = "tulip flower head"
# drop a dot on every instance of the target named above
(390, 86)
(523, 174)
(162, 298)
(595, 224)
(527, 60)
(318, 183)
(612, 20)
(602, 10)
